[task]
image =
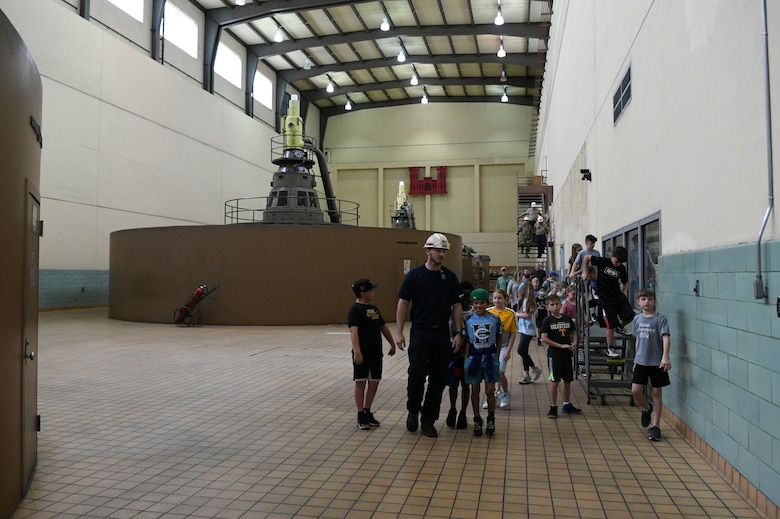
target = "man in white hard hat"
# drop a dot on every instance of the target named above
(435, 294)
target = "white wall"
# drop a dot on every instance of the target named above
(128, 142)
(692, 142)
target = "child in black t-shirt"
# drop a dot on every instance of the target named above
(559, 333)
(366, 328)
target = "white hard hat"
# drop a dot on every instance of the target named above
(437, 241)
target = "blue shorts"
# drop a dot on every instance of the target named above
(482, 373)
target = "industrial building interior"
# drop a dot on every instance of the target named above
(135, 417)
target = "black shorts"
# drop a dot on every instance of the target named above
(618, 313)
(657, 376)
(370, 369)
(561, 369)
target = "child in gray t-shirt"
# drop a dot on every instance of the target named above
(651, 361)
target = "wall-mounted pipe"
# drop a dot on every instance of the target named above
(759, 290)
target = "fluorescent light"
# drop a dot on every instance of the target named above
(330, 88)
(501, 52)
(278, 37)
(415, 79)
(385, 26)
(401, 56)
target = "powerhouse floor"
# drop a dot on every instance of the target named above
(150, 420)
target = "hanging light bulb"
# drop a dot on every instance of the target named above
(330, 88)
(240, 2)
(278, 36)
(348, 106)
(503, 76)
(499, 19)
(385, 26)
(424, 99)
(401, 56)
(415, 79)
(501, 52)
(307, 64)
(504, 98)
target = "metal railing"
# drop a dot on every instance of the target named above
(252, 209)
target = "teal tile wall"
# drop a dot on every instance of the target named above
(726, 355)
(72, 288)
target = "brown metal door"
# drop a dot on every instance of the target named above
(29, 346)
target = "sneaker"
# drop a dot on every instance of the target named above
(411, 421)
(570, 409)
(612, 353)
(362, 423)
(503, 405)
(525, 379)
(429, 430)
(462, 423)
(477, 426)
(497, 392)
(484, 406)
(490, 430)
(553, 412)
(623, 331)
(655, 434)
(536, 372)
(647, 416)
(451, 418)
(373, 422)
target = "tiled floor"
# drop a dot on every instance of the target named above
(148, 420)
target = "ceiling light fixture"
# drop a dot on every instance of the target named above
(330, 88)
(307, 64)
(424, 99)
(504, 98)
(501, 52)
(240, 2)
(348, 106)
(503, 76)
(385, 26)
(499, 19)
(415, 79)
(401, 56)
(278, 36)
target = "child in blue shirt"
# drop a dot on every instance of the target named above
(482, 364)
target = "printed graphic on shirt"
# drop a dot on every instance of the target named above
(644, 330)
(372, 313)
(481, 333)
(612, 272)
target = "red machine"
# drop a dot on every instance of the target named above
(189, 314)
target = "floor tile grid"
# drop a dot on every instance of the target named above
(253, 470)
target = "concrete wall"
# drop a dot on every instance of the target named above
(267, 274)
(691, 147)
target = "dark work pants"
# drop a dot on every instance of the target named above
(429, 354)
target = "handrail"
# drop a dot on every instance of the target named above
(252, 209)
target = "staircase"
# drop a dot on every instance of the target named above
(542, 196)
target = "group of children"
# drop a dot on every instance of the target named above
(491, 333)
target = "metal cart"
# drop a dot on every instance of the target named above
(601, 375)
